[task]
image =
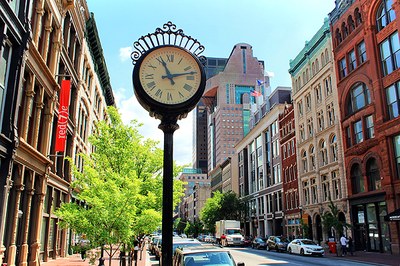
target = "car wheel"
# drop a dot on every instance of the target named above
(302, 252)
(277, 249)
(290, 250)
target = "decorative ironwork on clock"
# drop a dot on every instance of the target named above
(167, 35)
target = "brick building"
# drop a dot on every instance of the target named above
(366, 51)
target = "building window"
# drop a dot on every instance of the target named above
(314, 194)
(389, 50)
(385, 14)
(373, 175)
(362, 52)
(342, 68)
(304, 160)
(310, 127)
(359, 97)
(358, 132)
(323, 152)
(302, 134)
(4, 69)
(318, 93)
(321, 123)
(396, 144)
(331, 114)
(348, 137)
(326, 194)
(306, 193)
(328, 85)
(352, 60)
(336, 185)
(312, 158)
(300, 107)
(393, 100)
(357, 179)
(369, 127)
(334, 148)
(308, 102)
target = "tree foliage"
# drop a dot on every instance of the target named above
(221, 206)
(330, 219)
(118, 194)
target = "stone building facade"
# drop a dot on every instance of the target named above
(64, 44)
(320, 165)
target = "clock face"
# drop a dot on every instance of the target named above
(170, 75)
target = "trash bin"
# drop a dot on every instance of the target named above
(332, 247)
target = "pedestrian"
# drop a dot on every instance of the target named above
(343, 243)
(351, 245)
(83, 244)
(223, 240)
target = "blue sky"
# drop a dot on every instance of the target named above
(276, 29)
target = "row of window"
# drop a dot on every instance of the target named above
(319, 96)
(309, 160)
(352, 59)
(360, 130)
(330, 188)
(307, 75)
(347, 27)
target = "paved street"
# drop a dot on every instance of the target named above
(252, 257)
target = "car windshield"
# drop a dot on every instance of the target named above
(233, 231)
(308, 242)
(184, 244)
(209, 258)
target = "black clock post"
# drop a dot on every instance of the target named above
(169, 80)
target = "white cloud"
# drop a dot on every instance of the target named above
(125, 53)
(131, 109)
(270, 73)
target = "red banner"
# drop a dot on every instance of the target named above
(61, 134)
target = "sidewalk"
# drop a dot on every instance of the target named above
(370, 257)
(75, 260)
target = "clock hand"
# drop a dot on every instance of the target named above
(169, 76)
(179, 74)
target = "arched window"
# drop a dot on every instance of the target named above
(316, 65)
(357, 180)
(345, 32)
(351, 24)
(358, 98)
(323, 59)
(357, 15)
(313, 69)
(338, 37)
(373, 175)
(326, 56)
(385, 14)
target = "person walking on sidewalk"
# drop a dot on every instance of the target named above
(84, 245)
(351, 245)
(343, 243)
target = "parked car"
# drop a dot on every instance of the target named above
(153, 243)
(210, 239)
(179, 243)
(305, 247)
(247, 241)
(204, 255)
(278, 243)
(259, 243)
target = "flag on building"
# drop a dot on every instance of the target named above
(62, 124)
(255, 93)
(260, 82)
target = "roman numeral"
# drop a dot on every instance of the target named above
(187, 68)
(181, 95)
(149, 76)
(180, 61)
(187, 87)
(170, 58)
(189, 77)
(169, 96)
(153, 67)
(158, 93)
(160, 60)
(151, 85)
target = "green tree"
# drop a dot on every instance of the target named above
(120, 185)
(222, 206)
(330, 219)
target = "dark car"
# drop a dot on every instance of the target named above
(259, 243)
(278, 243)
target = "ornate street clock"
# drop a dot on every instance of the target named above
(169, 80)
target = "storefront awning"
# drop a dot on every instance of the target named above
(393, 216)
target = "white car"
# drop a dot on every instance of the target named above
(305, 247)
